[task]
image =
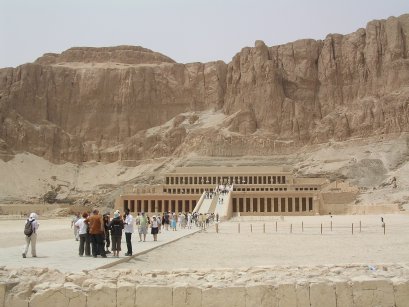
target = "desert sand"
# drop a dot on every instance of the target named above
(230, 249)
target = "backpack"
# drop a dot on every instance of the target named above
(28, 228)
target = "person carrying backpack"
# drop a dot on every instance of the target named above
(30, 231)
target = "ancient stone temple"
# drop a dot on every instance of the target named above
(239, 191)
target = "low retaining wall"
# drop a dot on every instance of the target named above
(363, 293)
(285, 286)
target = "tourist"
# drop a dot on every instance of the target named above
(96, 232)
(217, 217)
(31, 238)
(142, 226)
(180, 220)
(173, 222)
(84, 236)
(106, 218)
(202, 220)
(74, 219)
(116, 225)
(189, 221)
(159, 220)
(166, 221)
(128, 229)
(154, 228)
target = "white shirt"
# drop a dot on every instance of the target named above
(82, 226)
(155, 224)
(128, 224)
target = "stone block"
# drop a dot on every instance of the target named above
(343, 293)
(102, 295)
(260, 296)
(401, 290)
(286, 295)
(145, 294)
(302, 292)
(187, 297)
(226, 297)
(3, 288)
(373, 293)
(126, 294)
(322, 294)
(15, 300)
(49, 297)
(76, 297)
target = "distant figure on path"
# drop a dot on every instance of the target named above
(142, 226)
(159, 220)
(154, 228)
(31, 238)
(166, 220)
(189, 221)
(173, 222)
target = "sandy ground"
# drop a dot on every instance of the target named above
(230, 249)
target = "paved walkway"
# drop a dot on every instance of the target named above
(63, 254)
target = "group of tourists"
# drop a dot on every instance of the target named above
(99, 235)
(222, 189)
(96, 233)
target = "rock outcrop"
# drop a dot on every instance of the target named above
(102, 103)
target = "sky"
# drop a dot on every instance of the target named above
(185, 30)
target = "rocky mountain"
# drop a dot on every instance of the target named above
(130, 103)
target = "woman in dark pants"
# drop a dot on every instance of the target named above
(116, 225)
(128, 229)
(107, 239)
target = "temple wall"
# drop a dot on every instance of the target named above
(358, 209)
(354, 293)
(338, 197)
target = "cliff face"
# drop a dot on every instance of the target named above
(98, 103)
(73, 107)
(312, 91)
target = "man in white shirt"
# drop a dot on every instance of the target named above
(83, 235)
(128, 229)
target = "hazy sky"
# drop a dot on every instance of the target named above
(185, 30)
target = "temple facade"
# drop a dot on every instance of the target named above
(238, 191)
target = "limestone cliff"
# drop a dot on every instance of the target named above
(103, 103)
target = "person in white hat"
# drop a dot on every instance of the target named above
(116, 225)
(31, 237)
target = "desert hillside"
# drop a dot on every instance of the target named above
(90, 120)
